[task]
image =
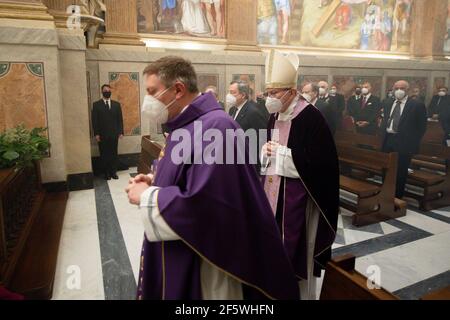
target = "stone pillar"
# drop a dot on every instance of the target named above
(241, 18)
(24, 10)
(121, 23)
(428, 28)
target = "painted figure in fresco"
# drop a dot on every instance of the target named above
(213, 5)
(267, 22)
(283, 8)
(323, 3)
(193, 19)
(386, 32)
(402, 13)
(343, 17)
(447, 34)
(366, 32)
(374, 12)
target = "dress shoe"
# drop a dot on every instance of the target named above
(107, 177)
(115, 177)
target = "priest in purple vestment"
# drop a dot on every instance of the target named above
(301, 171)
(209, 229)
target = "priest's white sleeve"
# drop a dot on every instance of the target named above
(156, 229)
(285, 163)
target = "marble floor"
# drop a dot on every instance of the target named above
(102, 238)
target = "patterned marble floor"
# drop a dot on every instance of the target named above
(102, 237)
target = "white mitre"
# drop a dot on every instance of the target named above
(281, 70)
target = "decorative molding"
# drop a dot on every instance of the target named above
(24, 11)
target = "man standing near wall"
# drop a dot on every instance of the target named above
(107, 122)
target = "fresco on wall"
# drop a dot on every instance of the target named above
(447, 30)
(346, 84)
(200, 18)
(380, 25)
(27, 106)
(125, 89)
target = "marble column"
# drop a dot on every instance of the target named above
(24, 10)
(241, 18)
(121, 23)
(428, 28)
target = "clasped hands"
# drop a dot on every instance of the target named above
(137, 186)
(269, 150)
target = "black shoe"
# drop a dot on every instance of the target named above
(107, 177)
(115, 177)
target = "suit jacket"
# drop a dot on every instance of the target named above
(328, 109)
(438, 104)
(412, 126)
(370, 114)
(353, 105)
(250, 117)
(107, 123)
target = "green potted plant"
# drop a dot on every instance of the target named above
(21, 148)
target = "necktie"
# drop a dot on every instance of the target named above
(395, 117)
(107, 104)
(364, 103)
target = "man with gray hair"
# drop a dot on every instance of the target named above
(243, 109)
(403, 127)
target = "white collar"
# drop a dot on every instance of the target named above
(243, 104)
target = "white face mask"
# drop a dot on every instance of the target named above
(400, 94)
(156, 110)
(365, 91)
(274, 105)
(333, 92)
(231, 100)
(322, 91)
(442, 93)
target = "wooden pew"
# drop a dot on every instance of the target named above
(150, 151)
(431, 173)
(358, 140)
(343, 282)
(375, 202)
(434, 133)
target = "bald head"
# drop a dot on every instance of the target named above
(402, 84)
(323, 84)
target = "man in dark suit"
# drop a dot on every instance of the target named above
(340, 105)
(366, 111)
(107, 123)
(328, 105)
(245, 111)
(354, 102)
(439, 102)
(403, 127)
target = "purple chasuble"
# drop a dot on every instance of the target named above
(222, 216)
(315, 158)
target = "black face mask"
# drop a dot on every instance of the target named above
(107, 94)
(358, 92)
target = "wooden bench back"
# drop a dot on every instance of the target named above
(357, 139)
(150, 152)
(343, 282)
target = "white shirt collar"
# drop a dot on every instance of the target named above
(107, 100)
(240, 107)
(368, 96)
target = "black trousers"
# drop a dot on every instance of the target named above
(404, 160)
(109, 154)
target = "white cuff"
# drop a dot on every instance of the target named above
(156, 229)
(285, 164)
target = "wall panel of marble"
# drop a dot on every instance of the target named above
(128, 88)
(23, 101)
